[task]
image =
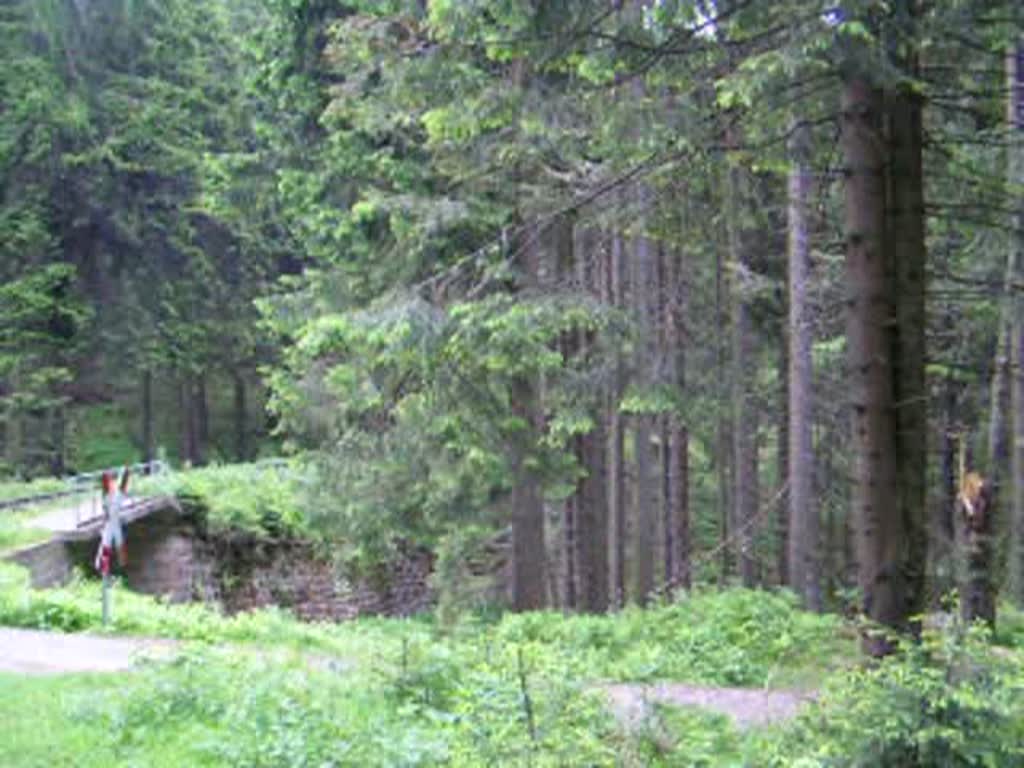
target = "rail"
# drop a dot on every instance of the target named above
(84, 486)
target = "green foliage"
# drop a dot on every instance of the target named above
(76, 608)
(518, 691)
(15, 489)
(412, 407)
(99, 436)
(685, 736)
(459, 590)
(950, 701)
(739, 637)
(264, 498)
(40, 330)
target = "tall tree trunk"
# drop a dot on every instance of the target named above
(782, 464)
(592, 506)
(241, 417)
(187, 420)
(679, 452)
(571, 537)
(617, 431)
(593, 514)
(833, 559)
(646, 504)
(997, 455)
(646, 489)
(743, 422)
(665, 358)
(874, 493)
(1016, 166)
(723, 431)
(202, 414)
(677, 443)
(58, 433)
(905, 244)
(804, 519)
(563, 246)
(528, 547)
(723, 439)
(147, 415)
(941, 554)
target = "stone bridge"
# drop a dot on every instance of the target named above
(160, 542)
(169, 557)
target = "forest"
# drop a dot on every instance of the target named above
(684, 340)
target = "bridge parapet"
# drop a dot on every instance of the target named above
(81, 499)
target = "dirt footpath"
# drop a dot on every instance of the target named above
(748, 707)
(32, 652)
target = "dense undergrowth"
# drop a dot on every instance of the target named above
(262, 689)
(263, 498)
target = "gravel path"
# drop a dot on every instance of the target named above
(748, 707)
(31, 652)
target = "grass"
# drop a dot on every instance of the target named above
(16, 489)
(739, 637)
(257, 689)
(51, 722)
(16, 530)
(263, 689)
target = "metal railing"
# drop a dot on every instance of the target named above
(85, 489)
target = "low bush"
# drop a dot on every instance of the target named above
(262, 498)
(953, 700)
(736, 637)
(263, 689)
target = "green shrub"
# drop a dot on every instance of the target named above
(736, 637)
(951, 701)
(262, 498)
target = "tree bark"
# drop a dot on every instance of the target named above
(804, 519)
(147, 416)
(905, 244)
(874, 493)
(646, 489)
(564, 252)
(58, 434)
(677, 443)
(941, 554)
(617, 432)
(1016, 171)
(592, 507)
(665, 357)
(782, 461)
(723, 440)
(743, 421)
(187, 420)
(241, 418)
(202, 426)
(528, 547)
(592, 552)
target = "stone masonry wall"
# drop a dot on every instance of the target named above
(167, 558)
(49, 564)
(252, 573)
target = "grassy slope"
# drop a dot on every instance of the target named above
(263, 690)
(405, 693)
(51, 722)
